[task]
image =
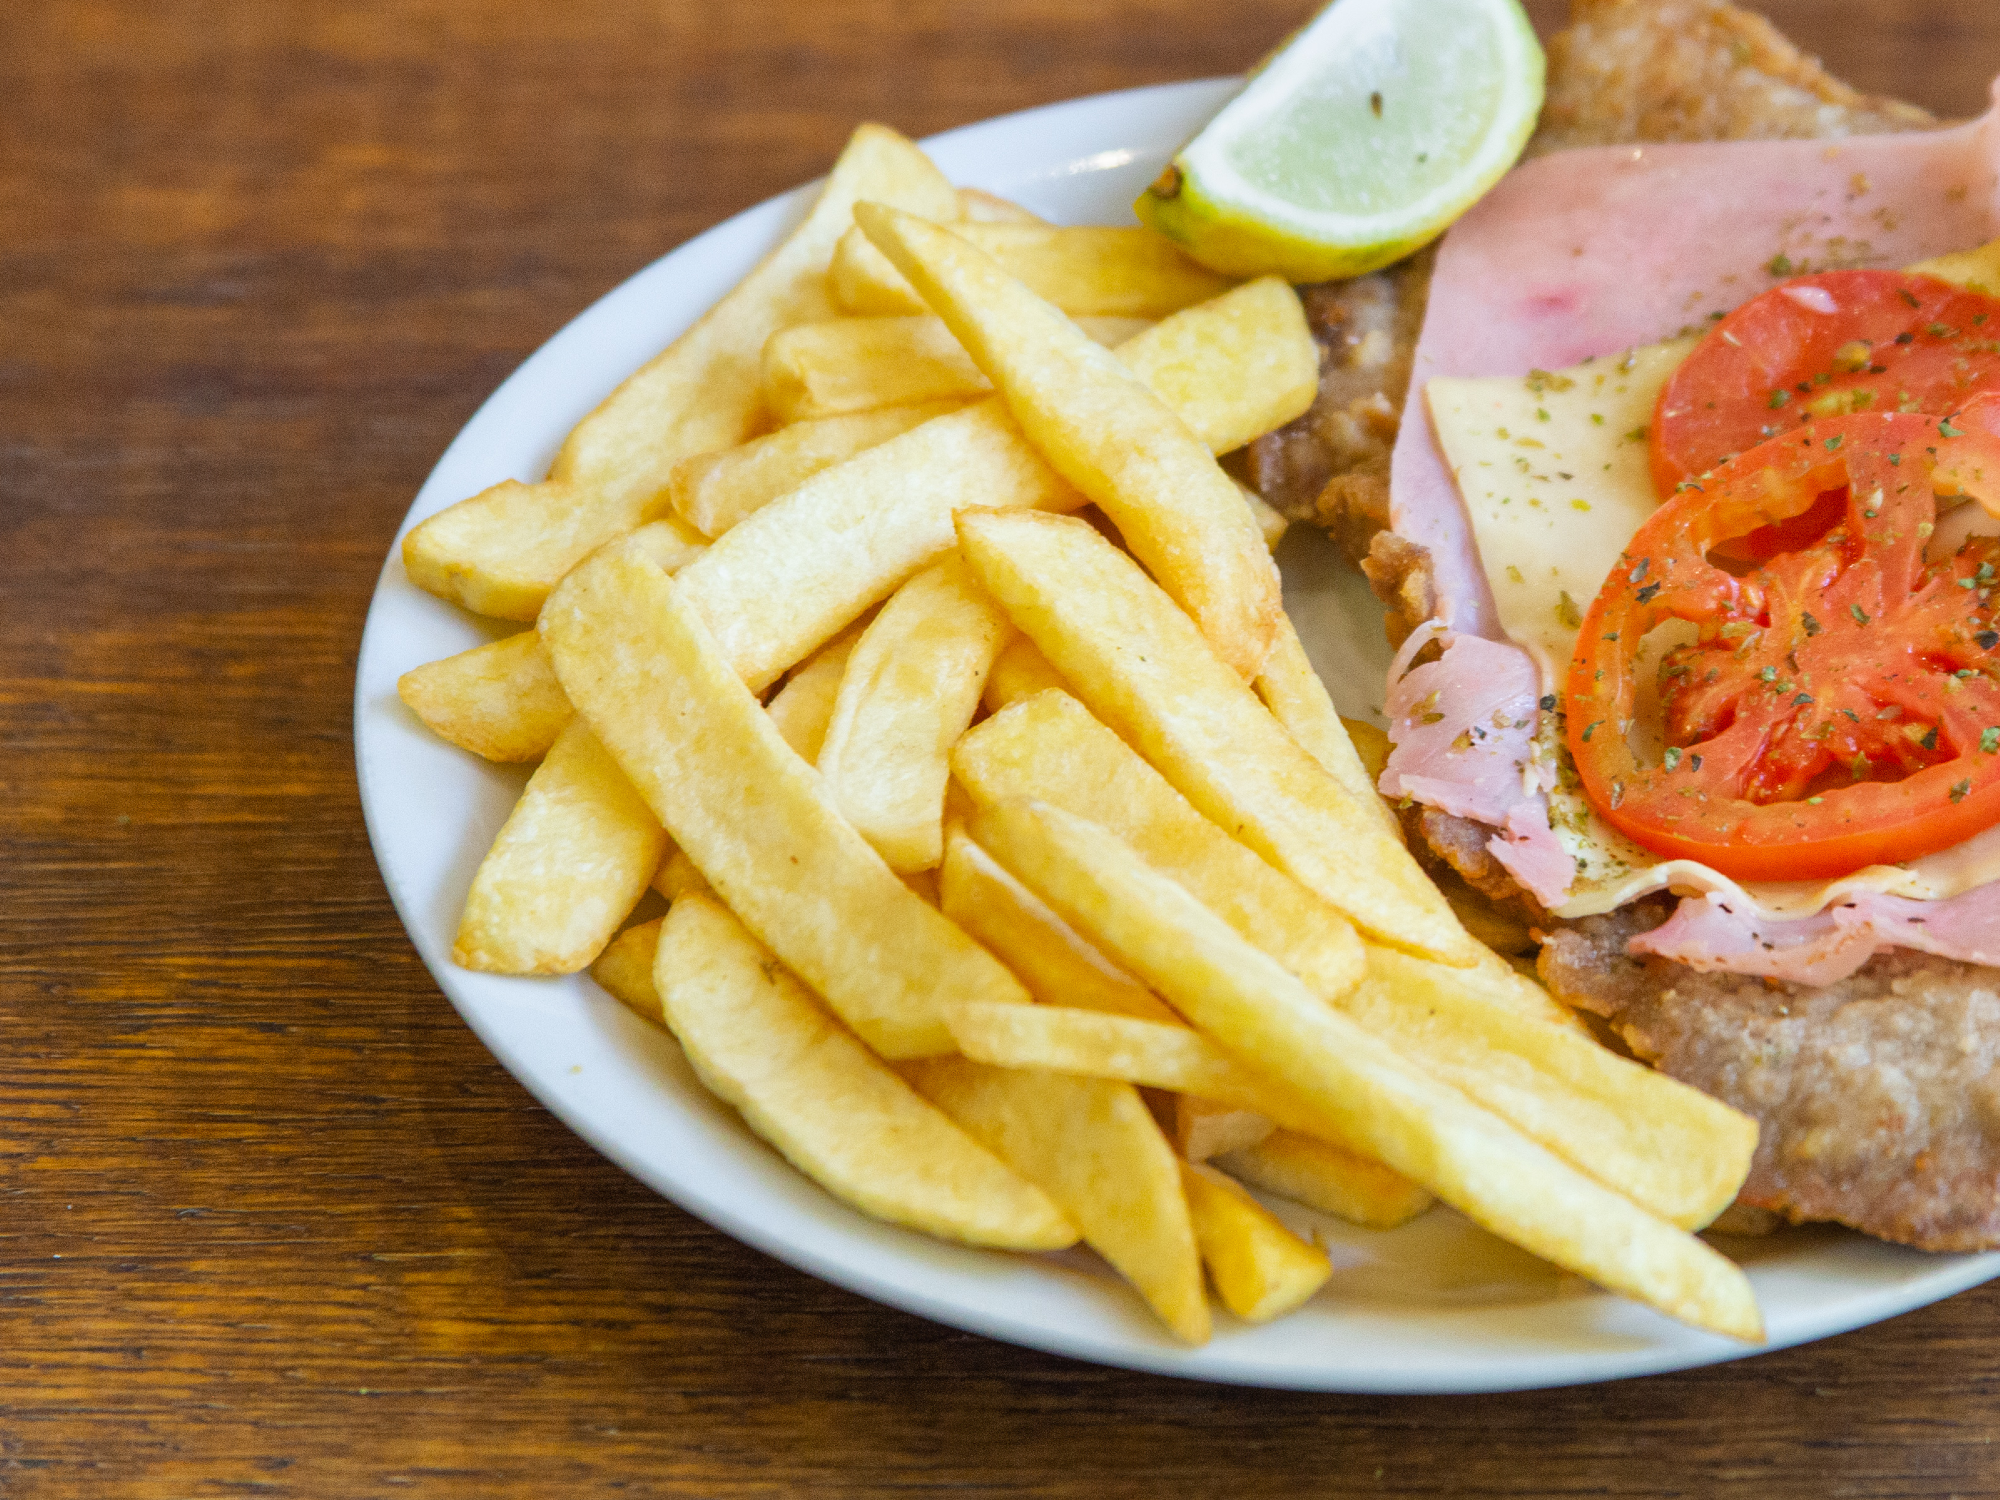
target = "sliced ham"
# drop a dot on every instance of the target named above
(1464, 732)
(1715, 934)
(1590, 252)
(1586, 253)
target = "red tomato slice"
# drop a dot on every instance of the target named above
(1840, 705)
(1822, 346)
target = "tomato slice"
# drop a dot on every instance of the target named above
(1838, 706)
(1822, 346)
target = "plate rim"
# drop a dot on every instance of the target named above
(1123, 1347)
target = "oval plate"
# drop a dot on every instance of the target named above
(1436, 1306)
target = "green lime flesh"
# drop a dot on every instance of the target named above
(1361, 140)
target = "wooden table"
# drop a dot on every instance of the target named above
(271, 1220)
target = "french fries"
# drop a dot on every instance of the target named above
(1259, 1267)
(816, 370)
(568, 866)
(1291, 689)
(1050, 747)
(500, 700)
(500, 552)
(836, 1111)
(1669, 1148)
(1081, 600)
(802, 709)
(1425, 1129)
(638, 664)
(1058, 967)
(1325, 1177)
(1104, 432)
(933, 962)
(678, 877)
(711, 492)
(1091, 1146)
(1202, 1128)
(911, 686)
(847, 537)
(1020, 671)
(625, 969)
(1085, 270)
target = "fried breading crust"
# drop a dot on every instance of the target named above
(1878, 1098)
(1695, 70)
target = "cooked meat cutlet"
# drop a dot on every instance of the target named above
(1878, 1097)
(1624, 70)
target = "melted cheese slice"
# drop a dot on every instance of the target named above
(1554, 471)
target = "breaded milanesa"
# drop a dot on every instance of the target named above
(1878, 1097)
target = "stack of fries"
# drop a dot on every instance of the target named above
(1024, 886)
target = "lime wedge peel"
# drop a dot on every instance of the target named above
(1358, 141)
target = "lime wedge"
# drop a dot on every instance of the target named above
(1358, 141)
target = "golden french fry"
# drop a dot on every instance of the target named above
(1092, 1147)
(1046, 955)
(977, 206)
(1260, 1268)
(1105, 432)
(1291, 689)
(848, 536)
(1371, 747)
(668, 542)
(844, 365)
(1669, 1148)
(500, 700)
(1324, 1176)
(1248, 1105)
(640, 666)
(1426, 1129)
(568, 866)
(1082, 601)
(678, 877)
(1499, 983)
(711, 492)
(1271, 523)
(1203, 1128)
(1020, 671)
(759, 1041)
(1086, 270)
(1100, 1044)
(501, 551)
(1051, 748)
(625, 970)
(1259, 335)
(911, 687)
(802, 709)
(1221, 1109)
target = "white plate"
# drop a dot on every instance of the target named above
(1436, 1306)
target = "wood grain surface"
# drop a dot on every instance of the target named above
(271, 1220)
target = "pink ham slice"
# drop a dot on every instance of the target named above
(1463, 727)
(1590, 252)
(1586, 253)
(1713, 933)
